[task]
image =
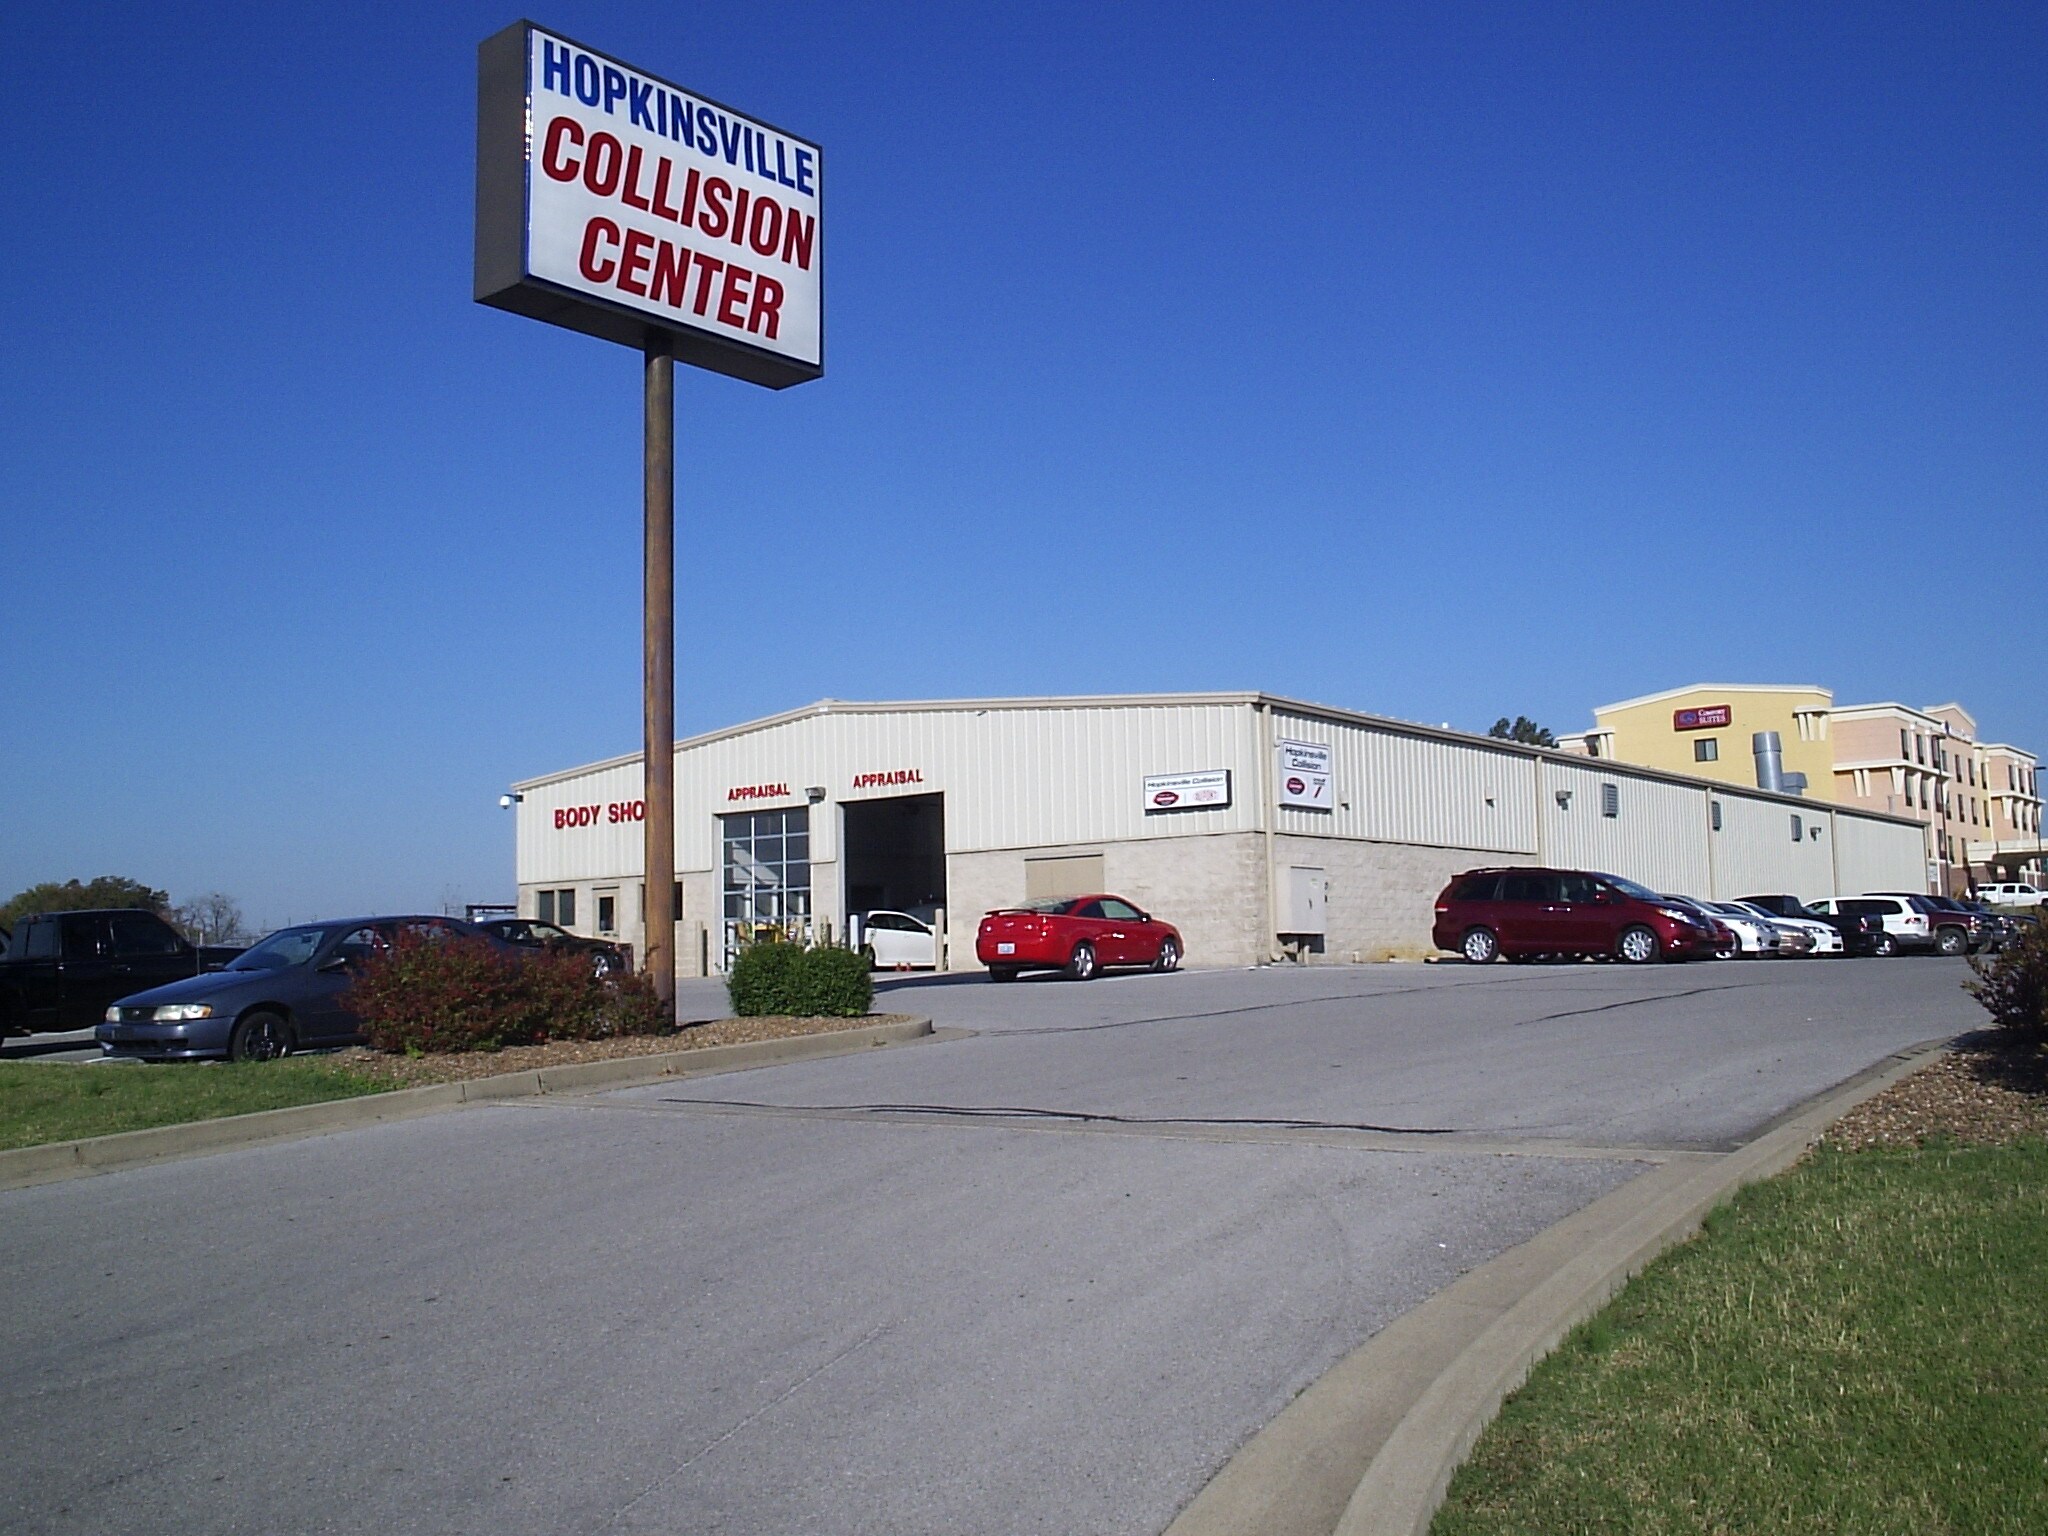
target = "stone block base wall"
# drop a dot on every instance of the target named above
(1382, 895)
(1207, 887)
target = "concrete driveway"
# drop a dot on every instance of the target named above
(1043, 1278)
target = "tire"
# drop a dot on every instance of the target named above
(1002, 973)
(1951, 941)
(260, 1037)
(1637, 945)
(1169, 956)
(1081, 964)
(1884, 946)
(601, 964)
(1480, 946)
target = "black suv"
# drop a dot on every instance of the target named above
(1862, 933)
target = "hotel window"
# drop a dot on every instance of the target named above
(1905, 744)
(1706, 750)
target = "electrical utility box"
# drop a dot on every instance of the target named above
(1304, 901)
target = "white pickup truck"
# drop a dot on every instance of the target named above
(2010, 893)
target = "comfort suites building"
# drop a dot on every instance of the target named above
(1264, 827)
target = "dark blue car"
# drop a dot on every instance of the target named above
(277, 997)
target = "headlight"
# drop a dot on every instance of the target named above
(1677, 915)
(178, 1013)
(113, 1015)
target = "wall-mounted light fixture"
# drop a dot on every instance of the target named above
(815, 793)
(1564, 799)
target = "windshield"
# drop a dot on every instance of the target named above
(1630, 888)
(288, 946)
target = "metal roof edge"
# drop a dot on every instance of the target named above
(897, 706)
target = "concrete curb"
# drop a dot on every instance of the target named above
(128, 1149)
(1369, 1448)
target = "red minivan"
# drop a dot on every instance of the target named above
(1521, 913)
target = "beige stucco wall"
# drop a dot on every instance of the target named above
(1643, 733)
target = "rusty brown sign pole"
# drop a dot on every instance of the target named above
(658, 899)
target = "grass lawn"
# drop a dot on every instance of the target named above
(59, 1101)
(1857, 1346)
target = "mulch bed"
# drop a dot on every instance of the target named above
(1981, 1091)
(414, 1071)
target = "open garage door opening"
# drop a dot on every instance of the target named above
(895, 853)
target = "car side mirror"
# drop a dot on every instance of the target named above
(334, 965)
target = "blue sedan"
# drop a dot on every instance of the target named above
(280, 996)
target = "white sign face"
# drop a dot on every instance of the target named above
(1302, 775)
(1187, 791)
(641, 195)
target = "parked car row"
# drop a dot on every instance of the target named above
(147, 993)
(1523, 914)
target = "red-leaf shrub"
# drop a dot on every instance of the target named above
(432, 995)
(2013, 985)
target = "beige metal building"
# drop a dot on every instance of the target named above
(1263, 827)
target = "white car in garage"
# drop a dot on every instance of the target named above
(897, 939)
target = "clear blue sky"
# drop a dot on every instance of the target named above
(1441, 361)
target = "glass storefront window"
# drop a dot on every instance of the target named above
(766, 877)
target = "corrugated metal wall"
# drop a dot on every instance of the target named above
(1878, 855)
(1398, 788)
(1012, 777)
(1754, 854)
(602, 849)
(1657, 836)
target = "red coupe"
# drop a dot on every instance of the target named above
(1081, 935)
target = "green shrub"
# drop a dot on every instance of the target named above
(775, 977)
(2013, 985)
(427, 995)
(834, 983)
(763, 978)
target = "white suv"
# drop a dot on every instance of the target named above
(1905, 927)
(2010, 893)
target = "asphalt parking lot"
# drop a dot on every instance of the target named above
(1041, 1277)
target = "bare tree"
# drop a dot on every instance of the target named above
(215, 918)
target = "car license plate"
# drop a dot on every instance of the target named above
(1006, 949)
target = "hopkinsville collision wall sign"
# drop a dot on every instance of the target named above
(612, 202)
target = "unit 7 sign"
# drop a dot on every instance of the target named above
(614, 203)
(1302, 776)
